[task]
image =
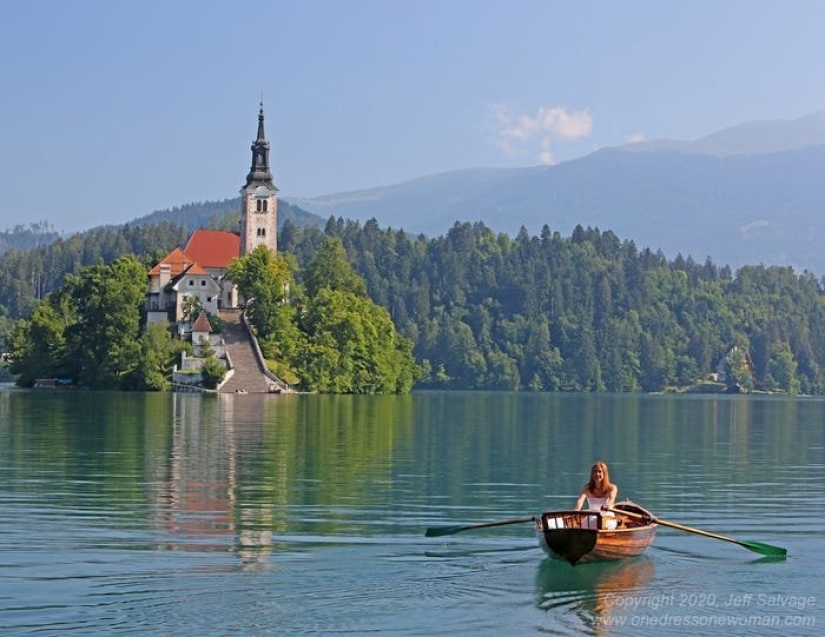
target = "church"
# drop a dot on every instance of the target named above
(195, 275)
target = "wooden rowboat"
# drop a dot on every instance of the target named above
(594, 536)
(626, 530)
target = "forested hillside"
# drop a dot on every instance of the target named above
(26, 276)
(221, 215)
(586, 312)
(22, 237)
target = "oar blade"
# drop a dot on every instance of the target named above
(438, 531)
(765, 549)
(758, 547)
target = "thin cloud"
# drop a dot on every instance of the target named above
(746, 229)
(520, 133)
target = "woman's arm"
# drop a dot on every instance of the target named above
(581, 500)
(611, 497)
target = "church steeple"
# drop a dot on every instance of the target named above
(259, 198)
(259, 173)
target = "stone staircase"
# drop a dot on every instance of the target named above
(249, 374)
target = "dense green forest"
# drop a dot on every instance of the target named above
(326, 332)
(585, 312)
(90, 332)
(588, 312)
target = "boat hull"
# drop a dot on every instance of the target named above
(593, 536)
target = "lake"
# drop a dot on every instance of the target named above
(252, 515)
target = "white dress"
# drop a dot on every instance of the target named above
(595, 504)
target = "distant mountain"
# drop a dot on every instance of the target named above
(750, 138)
(22, 237)
(749, 194)
(208, 214)
(203, 214)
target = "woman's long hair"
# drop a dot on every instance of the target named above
(606, 484)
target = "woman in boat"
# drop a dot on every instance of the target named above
(599, 493)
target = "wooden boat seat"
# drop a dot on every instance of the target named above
(584, 520)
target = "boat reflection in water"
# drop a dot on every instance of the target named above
(591, 596)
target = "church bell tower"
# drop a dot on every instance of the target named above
(259, 198)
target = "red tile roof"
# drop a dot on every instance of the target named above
(202, 324)
(213, 248)
(177, 260)
(197, 270)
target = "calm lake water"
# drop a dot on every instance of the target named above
(181, 515)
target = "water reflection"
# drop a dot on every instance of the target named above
(592, 593)
(327, 499)
(236, 472)
(193, 488)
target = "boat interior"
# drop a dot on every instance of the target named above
(598, 520)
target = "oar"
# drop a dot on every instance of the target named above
(437, 531)
(758, 547)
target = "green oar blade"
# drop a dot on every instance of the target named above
(758, 547)
(765, 549)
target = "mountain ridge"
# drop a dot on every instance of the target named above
(738, 207)
(712, 197)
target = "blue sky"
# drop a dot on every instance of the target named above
(112, 109)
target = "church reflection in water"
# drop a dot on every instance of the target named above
(199, 500)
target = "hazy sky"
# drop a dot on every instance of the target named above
(112, 109)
